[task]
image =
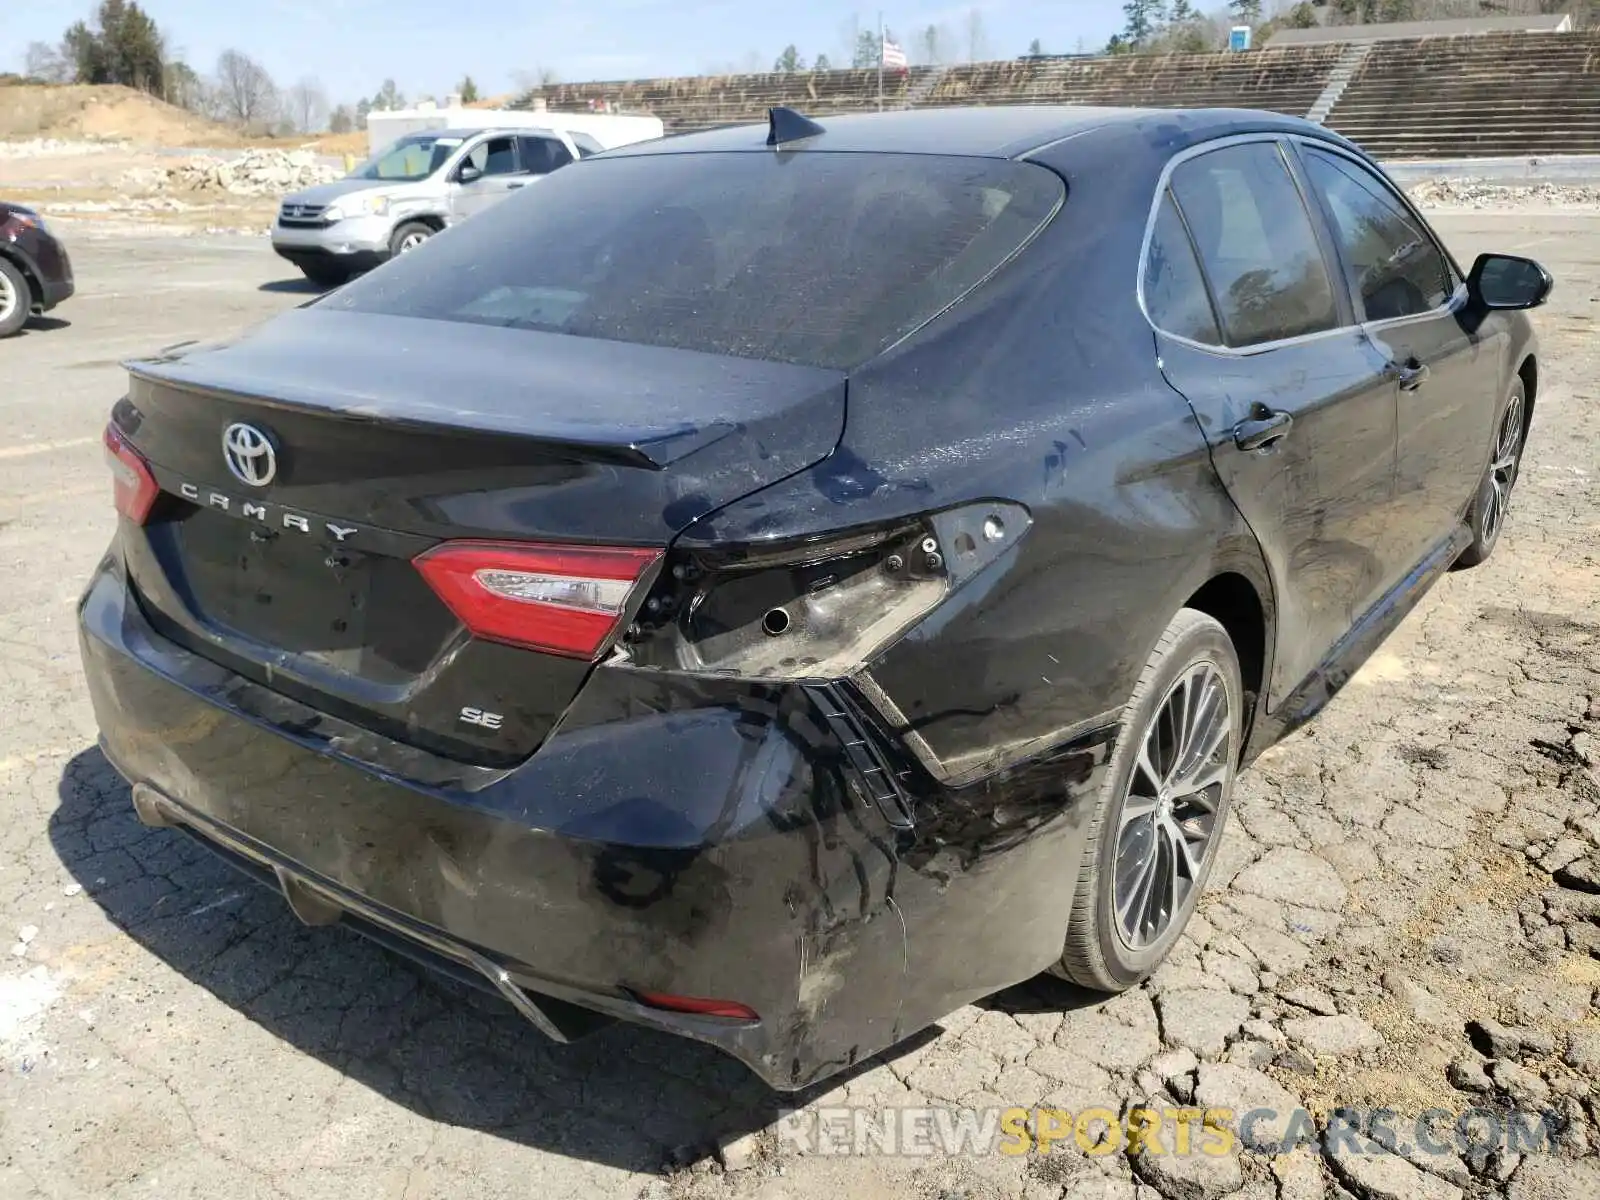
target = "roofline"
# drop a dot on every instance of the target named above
(1036, 142)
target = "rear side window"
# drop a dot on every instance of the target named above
(541, 155)
(1257, 242)
(1395, 267)
(809, 257)
(1174, 289)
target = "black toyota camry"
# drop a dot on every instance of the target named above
(780, 584)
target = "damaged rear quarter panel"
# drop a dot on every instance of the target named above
(1041, 388)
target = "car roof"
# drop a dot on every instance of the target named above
(999, 131)
(465, 133)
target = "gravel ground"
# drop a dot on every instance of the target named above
(1407, 913)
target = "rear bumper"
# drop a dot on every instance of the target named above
(680, 837)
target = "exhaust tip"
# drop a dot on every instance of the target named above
(310, 905)
(152, 808)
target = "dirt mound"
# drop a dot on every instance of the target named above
(104, 113)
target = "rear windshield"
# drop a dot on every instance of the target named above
(814, 258)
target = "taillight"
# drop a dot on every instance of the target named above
(561, 599)
(133, 486)
(698, 1006)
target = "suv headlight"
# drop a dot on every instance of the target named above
(357, 206)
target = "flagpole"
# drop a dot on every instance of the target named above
(880, 60)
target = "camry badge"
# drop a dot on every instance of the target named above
(249, 454)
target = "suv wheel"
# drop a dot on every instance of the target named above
(408, 237)
(1156, 828)
(16, 298)
(1487, 516)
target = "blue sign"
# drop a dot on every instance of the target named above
(1239, 37)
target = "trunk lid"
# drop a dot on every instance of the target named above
(389, 435)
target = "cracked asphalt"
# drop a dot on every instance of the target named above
(1407, 914)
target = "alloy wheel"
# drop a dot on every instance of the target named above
(411, 241)
(8, 298)
(1169, 817)
(1503, 468)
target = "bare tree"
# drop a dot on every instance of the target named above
(977, 37)
(46, 62)
(245, 92)
(539, 77)
(306, 105)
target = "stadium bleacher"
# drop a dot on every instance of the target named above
(1281, 80)
(1434, 97)
(1472, 97)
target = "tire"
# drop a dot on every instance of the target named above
(1487, 516)
(409, 236)
(328, 275)
(16, 298)
(1194, 660)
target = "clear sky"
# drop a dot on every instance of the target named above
(427, 45)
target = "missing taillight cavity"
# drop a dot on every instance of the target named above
(819, 608)
(134, 488)
(566, 600)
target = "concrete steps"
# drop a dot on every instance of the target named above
(1493, 95)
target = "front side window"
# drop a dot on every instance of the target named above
(497, 156)
(1174, 290)
(1257, 243)
(1395, 267)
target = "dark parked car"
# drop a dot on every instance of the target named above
(35, 272)
(779, 586)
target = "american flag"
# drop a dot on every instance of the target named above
(893, 55)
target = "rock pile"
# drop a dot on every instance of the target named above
(253, 173)
(1480, 194)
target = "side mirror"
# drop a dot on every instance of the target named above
(467, 173)
(1504, 281)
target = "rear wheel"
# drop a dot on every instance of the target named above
(1487, 516)
(409, 236)
(16, 298)
(1154, 834)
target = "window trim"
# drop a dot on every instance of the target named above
(1337, 278)
(1457, 298)
(1165, 195)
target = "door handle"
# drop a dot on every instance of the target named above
(1410, 374)
(511, 187)
(1260, 432)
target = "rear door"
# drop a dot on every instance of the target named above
(1408, 295)
(542, 154)
(1255, 331)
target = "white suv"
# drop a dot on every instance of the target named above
(409, 191)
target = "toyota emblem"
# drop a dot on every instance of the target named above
(249, 454)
